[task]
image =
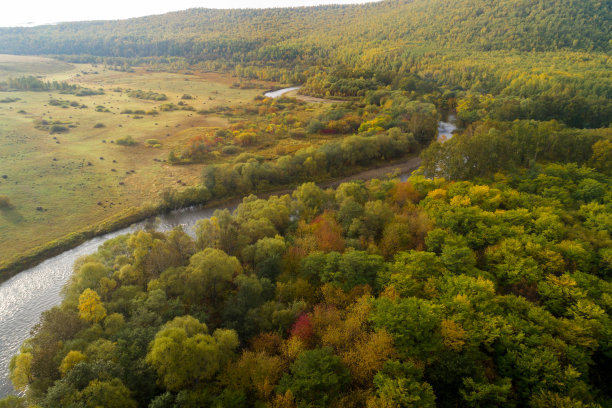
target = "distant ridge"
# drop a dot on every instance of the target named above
(200, 34)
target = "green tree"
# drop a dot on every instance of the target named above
(317, 377)
(209, 276)
(184, 354)
(108, 394)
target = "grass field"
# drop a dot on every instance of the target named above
(63, 182)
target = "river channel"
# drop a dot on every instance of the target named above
(26, 295)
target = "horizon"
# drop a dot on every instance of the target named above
(31, 13)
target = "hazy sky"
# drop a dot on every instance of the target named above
(30, 12)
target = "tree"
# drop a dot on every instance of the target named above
(184, 354)
(602, 156)
(108, 394)
(317, 377)
(72, 358)
(414, 324)
(21, 370)
(91, 308)
(399, 385)
(209, 276)
(12, 402)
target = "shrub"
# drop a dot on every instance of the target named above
(153, 96)
(58, 129)
(5, 202)
(297, 133)
(153, 142)
(99, 125)
(246, 138)
(89, 92)
(315, 126)
(126, 141)
(230, 150)
(186, 96)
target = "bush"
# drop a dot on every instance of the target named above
(230, 150)
(58, 129)
(89, 92)
(99, 125)
(186, 96)
(297, 133)
(315, 126)
(5, 202)
(153, 96)
(126, 141)
(153, 142)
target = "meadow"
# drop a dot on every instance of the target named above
(73, 166)
(60, 165)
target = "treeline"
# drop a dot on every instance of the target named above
(490, 146)
(31, 83)
(380, 294)
(250, 173)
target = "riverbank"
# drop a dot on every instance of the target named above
(132, 216)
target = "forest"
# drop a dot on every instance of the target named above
(396, 294)
(482, 280)
(531, 59)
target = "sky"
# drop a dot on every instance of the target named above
(35, 12)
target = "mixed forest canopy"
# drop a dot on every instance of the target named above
(382, 294)
(483, 280)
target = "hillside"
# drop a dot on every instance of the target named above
(289, 33)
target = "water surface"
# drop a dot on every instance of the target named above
(281, 92)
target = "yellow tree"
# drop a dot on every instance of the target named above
(72, 358)
(91, 308)
(21, 370)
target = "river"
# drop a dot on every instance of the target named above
(26, 295)
(281, 92)
(446, 128)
